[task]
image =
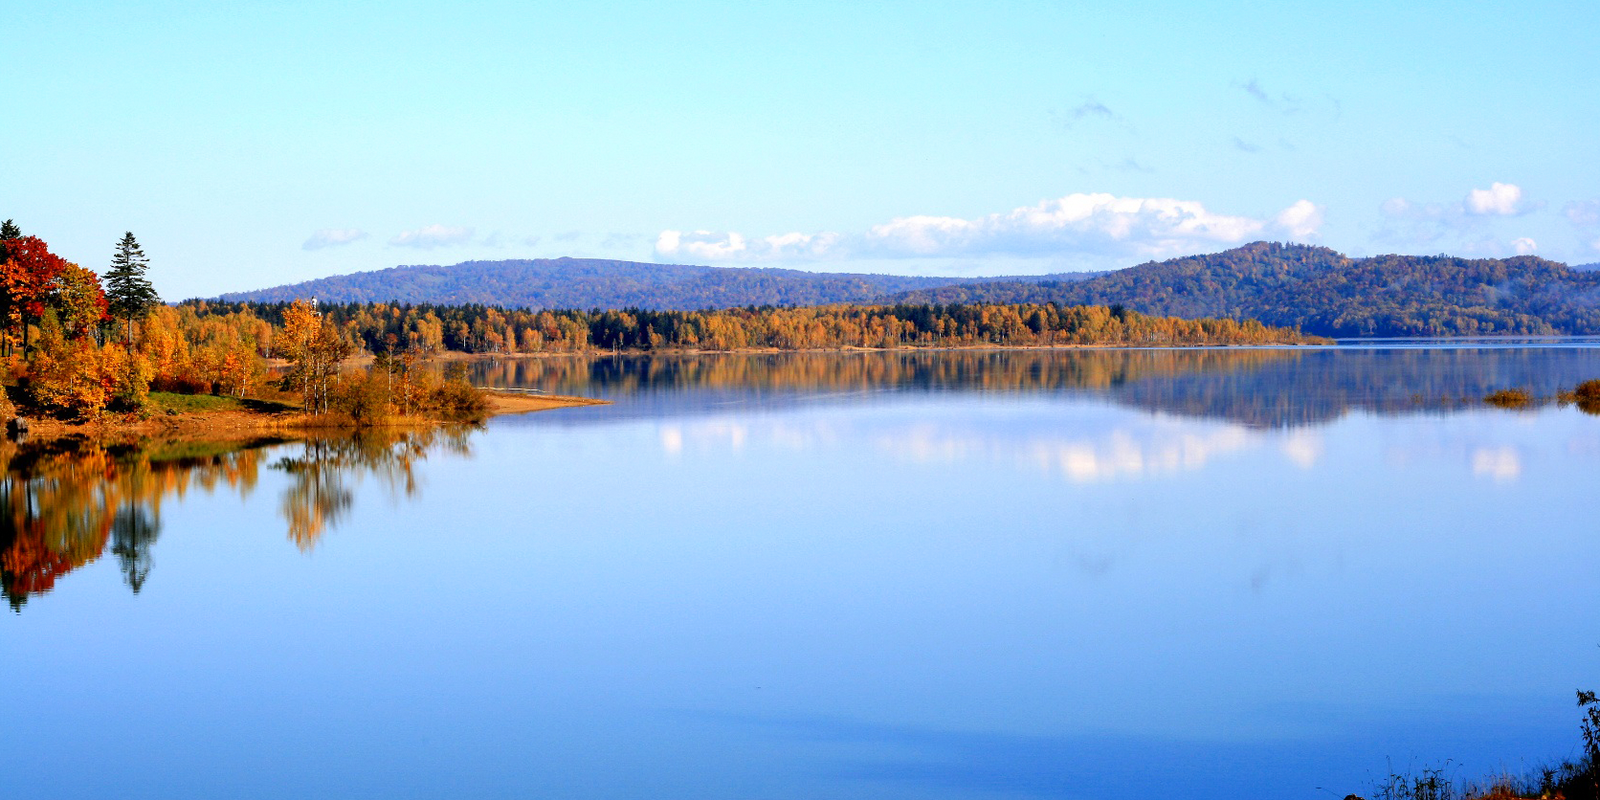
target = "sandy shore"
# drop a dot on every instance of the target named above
(520, 403)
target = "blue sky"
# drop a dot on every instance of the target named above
(252, 144)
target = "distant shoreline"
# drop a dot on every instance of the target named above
(456, 355)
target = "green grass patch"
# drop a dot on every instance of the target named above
(183, 403)
(190, 403)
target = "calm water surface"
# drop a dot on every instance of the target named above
(1097, 574)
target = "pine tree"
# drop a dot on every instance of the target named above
(130, 295)
(8, 232)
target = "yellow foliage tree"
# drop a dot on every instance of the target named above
(314, 348)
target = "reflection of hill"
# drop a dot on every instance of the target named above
(1260, 387)
(1321, 386)
(63, 503)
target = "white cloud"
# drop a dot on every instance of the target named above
(1466, 227)
(1583, 213)
(1396, 207)
(1096, 222)
(1500, 199)
(708, 246)
(1301, 220)
(1078, 224)
(432, 236)
(333, 237)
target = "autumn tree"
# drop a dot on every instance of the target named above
(79, 301)
(130, 294)
(70, 374)
(314, 347)
(29, 278)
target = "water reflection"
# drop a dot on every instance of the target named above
(1256, 387)
(322, 473)
(856, 372)
(64, 503)
(921, 592)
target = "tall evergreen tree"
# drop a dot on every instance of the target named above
(8, 232)
(129, 294)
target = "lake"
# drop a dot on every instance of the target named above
(1201, 573)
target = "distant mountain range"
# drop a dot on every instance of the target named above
(1318, 289)
(1327, 293)
(586, 283)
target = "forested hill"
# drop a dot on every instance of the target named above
(594, 283)
(1317, 289)
(1326, 293)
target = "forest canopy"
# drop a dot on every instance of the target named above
(391, 328)
(1325, 293)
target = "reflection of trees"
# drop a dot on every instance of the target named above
(65, 503)
(1257, 387)
(133, 530)
(963, 370)
(319, 494)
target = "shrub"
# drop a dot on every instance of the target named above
(364, 397)
(456, 398)
(1509, 398)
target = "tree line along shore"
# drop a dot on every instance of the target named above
(486, 329)
(75, 349)
(79, 347)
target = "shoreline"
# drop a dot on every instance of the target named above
(457, 355)
(241, 425)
